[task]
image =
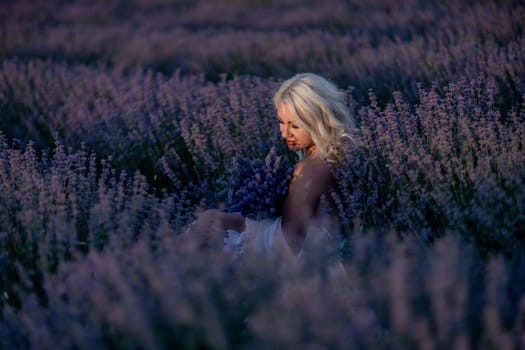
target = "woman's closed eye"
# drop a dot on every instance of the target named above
(292, 125)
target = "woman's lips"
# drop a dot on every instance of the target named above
(291, 143)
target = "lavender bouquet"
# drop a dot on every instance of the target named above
(257, 187)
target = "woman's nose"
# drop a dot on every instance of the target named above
(285, 132)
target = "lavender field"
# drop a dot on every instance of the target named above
(118, 119)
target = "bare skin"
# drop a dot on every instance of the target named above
(311, 179)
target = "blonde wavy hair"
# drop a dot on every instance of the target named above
(318, 107)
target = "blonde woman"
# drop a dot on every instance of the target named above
(314, 122)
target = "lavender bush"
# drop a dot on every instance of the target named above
(439, 161)
(162, 127)
(66, 205)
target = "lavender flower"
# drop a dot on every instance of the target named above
(256, 187)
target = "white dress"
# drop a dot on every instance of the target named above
(265, 238)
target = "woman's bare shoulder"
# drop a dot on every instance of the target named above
(313, 171)
(315, 165)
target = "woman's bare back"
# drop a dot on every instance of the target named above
(311, 180)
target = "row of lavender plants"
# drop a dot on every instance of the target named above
(454, 159)
(172, 294)
(62, 205)
(177, 131)
(380, 44)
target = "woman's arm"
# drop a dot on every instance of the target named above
(310, 180)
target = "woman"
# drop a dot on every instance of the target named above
(314, 122)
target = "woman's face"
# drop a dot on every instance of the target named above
(296, 138)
